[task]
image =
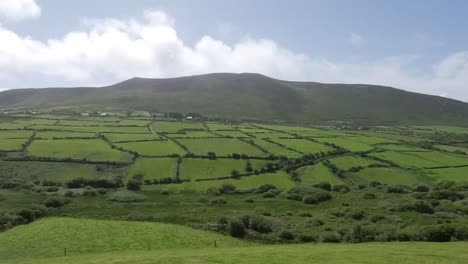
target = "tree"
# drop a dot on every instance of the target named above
(236, 228)
(235, 174)
(133, 185)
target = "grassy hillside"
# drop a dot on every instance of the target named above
(49, 237)
(253, 96)
(424, 253)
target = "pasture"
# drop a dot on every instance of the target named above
(154, 168)
(220, 146)
(194, 169)
(89, 149)
(153, 148)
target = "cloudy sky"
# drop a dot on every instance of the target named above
(419, 45)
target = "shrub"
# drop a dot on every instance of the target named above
(219, 201)
(235, 174)
(227, 188)
(286, 235)
(265, 188)
(421, 188)
(323, 185)
(89, 191)
(261, 224)
(237, 228)
(395, 189)
(368, 196)
(330, 237)
(52, 189)
(307, 238)
(27, 214)
(134, 185)
(374, 184)
(69, 193)
(249, 200)
(125, 196)
(439, 233)
(56, 202)
(270, 194)
(310, 199)
(423, 207)
(343, 188)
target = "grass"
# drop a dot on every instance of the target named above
(154, 168)
(90, 149)
(317, 173)
(174, 127)
(430, 159)
(93, 129)
(6, 134)
(204, 168)
(56, 171)
(63, 135)
(115, 137)
(220, 146)
(404, 148)
(452, 148)
(11, 144)
(153, 148)
(303, 145)
(235, 134)
(279, 179)
(448, 174)
(275, 149)
(347, 162)
(393, 176)
(347, 143)
(368, 253)
(48, 237)
(192, 134)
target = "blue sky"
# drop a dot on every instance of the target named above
(415, 45)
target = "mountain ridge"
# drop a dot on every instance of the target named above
(253, 96)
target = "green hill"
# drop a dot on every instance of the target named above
(49, 237)
(253, 96)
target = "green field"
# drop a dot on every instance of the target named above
(63, 135)
(275, 149)
(117, 137)
(220, 146)
(11, 144)
(6, 134)
(348, 144)
(174, 127)
(448, 174)
(452, 148)
(318, 173)
(404, 148)
(303, 145)
(192, 134)
(429, 159)
(348, 162)
(393, 176)
(281, 180)
(194, 169)
(154, 168)
(153, 148)
(49, 237)
(92, 129)
(90, 149)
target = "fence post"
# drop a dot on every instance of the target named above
(148, 246)
(65, 251)
(215, 243)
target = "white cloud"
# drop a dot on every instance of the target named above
(15, 10)
(355, 39)
(112, 50)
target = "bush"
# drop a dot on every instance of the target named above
(237, 228)
(134, 185)
(342, 188)
(324, 185)
(125, 196)
(56, 202)
(265, 188)
(219, 201)
(374, 184)
(270, 194)
(421, 188)
(307, 238)
(249, 200)
(310, 199)
(439, 233)
(52, 189)
(261, 224)
(286, 235)
(396, 189)
(423, 207)
(89, 191)
(369, 196)
(227, 188)
(330, 237)
(27, 214)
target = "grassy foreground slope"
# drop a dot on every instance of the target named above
(423, 253)
(48, 237)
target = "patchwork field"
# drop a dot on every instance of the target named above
(391, 176)
(303, 146)
(348, 144)
(220, 146)
(90, 149)
(153, 148)
(154, 168)
(318, 173)
(350, 161)
(193, 169)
